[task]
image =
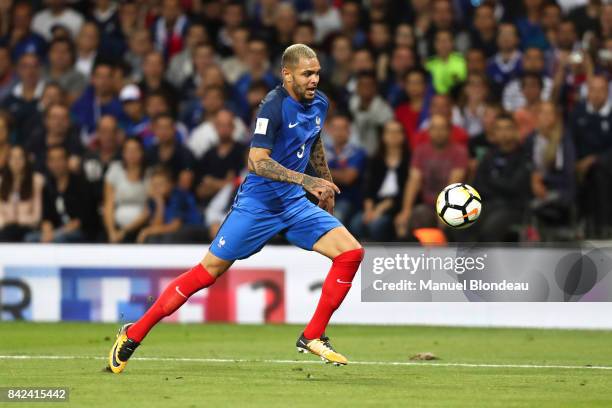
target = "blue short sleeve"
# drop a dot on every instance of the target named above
(268, 122)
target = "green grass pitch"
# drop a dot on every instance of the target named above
(257, 366)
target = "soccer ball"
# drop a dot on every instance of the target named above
(459, 205)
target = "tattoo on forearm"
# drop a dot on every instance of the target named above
(273, 170)
(318, 161)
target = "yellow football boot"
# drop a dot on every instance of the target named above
(121, 351)
(322, 348)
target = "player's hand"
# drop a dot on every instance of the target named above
(318, 186)
(328, 201)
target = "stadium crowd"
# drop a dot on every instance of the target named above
(129, 121)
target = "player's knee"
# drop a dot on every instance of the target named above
(215, 266)
(351, 255)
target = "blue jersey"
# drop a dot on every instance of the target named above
(289, 129)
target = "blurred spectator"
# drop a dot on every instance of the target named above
(339, 68)
(52, 94)
(21, 103)
(181, 65)
(233, 16)
(591, 125)
(442, 105)
(171, 212)
(404, 36)
(205, 135)
(502, 178)
(413, 112)
(20, 197)
(105, 149)
(326, 19)
(153, 80)
(21, 38)
(605, 21)
(68, 213)
(434, 165)
(552, 159)
(401, 61)
(8, 78)
(442, 18)
(203, 58)
(479, 145)
(530, 25)
(57, 13)
(447, 68)
(369, 110)
(387, 173)
(550, 21)
(570, 76)
(105, 14)
(526, 117)
(125, 194)
(135, 122)
(57, 131)
(473, 100)
(305, 34)
(87, 49)
(61, 69)
(169, 152)
(346, 163)
(505, 65)
(258, 69)
(257, 92)
(379, 42)
(351, 27)
(235, 65)
(5, 140)
(170, 28)
(157, 104)
(586, 17)
(532, 63)
(140, 44)
(476, 61)
(484, 32)
(218, 171)
(97, 100)
(285, 22)
(567, 38)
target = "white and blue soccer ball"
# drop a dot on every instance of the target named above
(459, 205)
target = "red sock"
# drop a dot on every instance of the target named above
(173, 297)
(344, 268)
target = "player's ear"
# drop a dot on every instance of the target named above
(286, 74)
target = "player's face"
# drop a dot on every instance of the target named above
(305, 78)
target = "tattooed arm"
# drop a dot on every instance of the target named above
(263, 165)
(318, 161)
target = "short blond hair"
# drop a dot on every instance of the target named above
(293, 53)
